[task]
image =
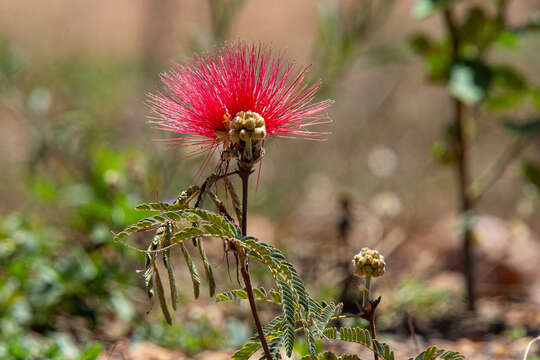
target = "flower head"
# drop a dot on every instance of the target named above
(369, 263)
(234, 98)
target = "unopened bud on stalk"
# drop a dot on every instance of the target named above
(246, 125)
(259, 133)
(244, 134)
(369, 263)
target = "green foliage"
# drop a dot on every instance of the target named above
(260, 294)
(59, 348)
(460, 60)
(509, 89)
(532, 173)
(435, 54)
(433, 353)
(354, 334)
(177, 223)
(38, 279)
(425, 8)
(246, 351)
(470, 77)
(331, 356)
(469, 81)
(523, 128)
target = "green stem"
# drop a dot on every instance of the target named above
(366, 294)
(244, 175)
(370, 314)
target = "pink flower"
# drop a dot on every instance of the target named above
(202, 97)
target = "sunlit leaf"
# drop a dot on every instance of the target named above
(469, 81)
(425, 8)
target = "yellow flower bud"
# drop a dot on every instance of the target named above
(244, 135)
(259, 133)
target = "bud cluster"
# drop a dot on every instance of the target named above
(242, 138)
(369, 263)
(247, 126)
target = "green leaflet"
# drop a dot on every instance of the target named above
(195, 279)
(432, 353)
(298, 287)
(246, 351)
(168, 265)
(227, 228)
(288, 305)
(161, 294)
(240, 294)
(349, 334)
(310, 339)
(159, 206)
(207, 268)
(236, 294)
(383, 350)
(326, 314)
(149, 222)
(327, 355)
(187, 233)
(274, 345)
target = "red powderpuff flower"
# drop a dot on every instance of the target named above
(202, 97)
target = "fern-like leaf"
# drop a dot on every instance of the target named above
(149, 222)
(383, 350)
(246, 351)
(227, 227)
(159, 206)
(432, 353)
(207, 268)
(310, 339)
(195, 279)
(168, 265)
(349, 334)
(236, 294)
(161, 294)
(298, 287)
(288, 305)
(274, 345)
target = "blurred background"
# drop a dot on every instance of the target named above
(77, 156)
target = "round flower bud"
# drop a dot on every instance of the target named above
(259, 121)
(244, 134)
(238, 121)
(250, 123)
(369, 263)
(259, 133)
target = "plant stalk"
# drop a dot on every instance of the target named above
(462, 170)
(244, 175)
(368, 305)
(366, 296)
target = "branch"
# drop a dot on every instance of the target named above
(490, 176)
